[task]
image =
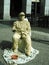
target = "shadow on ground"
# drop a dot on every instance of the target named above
(5, 44)
(1, 63)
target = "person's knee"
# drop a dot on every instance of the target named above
(14, 37)
(28, 38)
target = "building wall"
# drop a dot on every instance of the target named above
(1, 8)
(6, 12)
(5, 8)
(42, 7)
(46, 12)
(6, 15)
(26, 7)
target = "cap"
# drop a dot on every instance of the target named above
(21, 14)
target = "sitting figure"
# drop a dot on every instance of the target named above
(22, 30)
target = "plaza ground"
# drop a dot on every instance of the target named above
(43, 46)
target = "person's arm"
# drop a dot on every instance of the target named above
(14, 27)
(28, 30)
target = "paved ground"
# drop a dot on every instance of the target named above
(6, 37)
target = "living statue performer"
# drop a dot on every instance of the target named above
(22, 30)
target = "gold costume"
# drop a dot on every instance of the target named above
(22, 30)
(22, 26)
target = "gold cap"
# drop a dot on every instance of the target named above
(21, 14)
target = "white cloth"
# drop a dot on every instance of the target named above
(22, 58)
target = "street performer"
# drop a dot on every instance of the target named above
(22, 30)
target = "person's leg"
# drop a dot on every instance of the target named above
(28, 47)
(15, 39)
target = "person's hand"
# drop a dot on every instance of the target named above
(24, 35)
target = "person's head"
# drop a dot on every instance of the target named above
(21, 15)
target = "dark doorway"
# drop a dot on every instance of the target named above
(15, 8)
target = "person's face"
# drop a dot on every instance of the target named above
(22, 17)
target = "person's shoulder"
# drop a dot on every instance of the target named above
(27, 21)
(16, 21)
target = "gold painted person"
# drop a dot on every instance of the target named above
(22, 35)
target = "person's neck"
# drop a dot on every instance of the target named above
(21, 20)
